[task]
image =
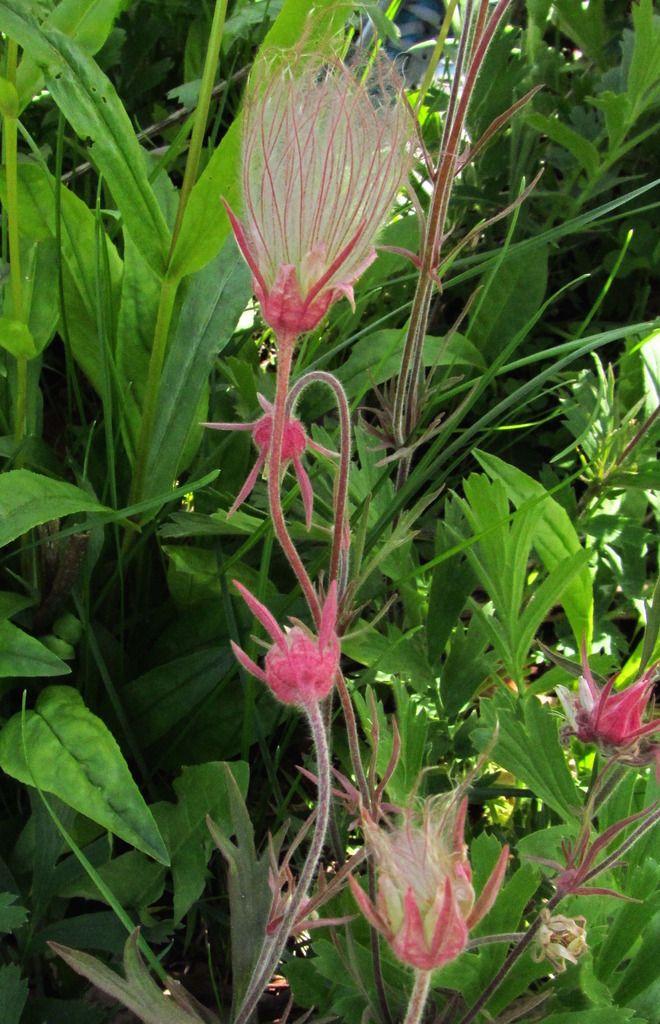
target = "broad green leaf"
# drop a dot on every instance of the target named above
(528, 746)
(201, 792)
(555, 539)
(137, 991)
(13, 994)
(87, 22)
(23, 655)
(71, 753)
(511, 297)
(90, 104)
(642, 970)
(36, 210)
(212, 301)
(205, 226)
(28, 500)
(587, 26)
(629, 920)
(11, 916)
(616, 107)
(247, 882)
(582, 149)
(11, 604)
(135, 881)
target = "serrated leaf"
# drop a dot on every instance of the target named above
(136, 991)
(528, 746)
(24, 656)
(28, 500)
(11, 916)
(71, 753)
(555, 539)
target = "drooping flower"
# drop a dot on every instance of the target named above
(613, 721)
(425, 903)
(325, 150)
(299, 667)
(294, 444)
(560, 940)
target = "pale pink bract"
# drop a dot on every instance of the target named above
(299, 668)
(325, 150)
(425, 903)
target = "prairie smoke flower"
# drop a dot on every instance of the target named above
(299, 668)
(613, 721)
(425, 904)
(294, 444)
(325, 150)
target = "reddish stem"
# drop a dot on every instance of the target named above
(286, 344)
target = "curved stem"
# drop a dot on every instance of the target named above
(286, 344)
(341, 491)
(274, 946)
(418, 997)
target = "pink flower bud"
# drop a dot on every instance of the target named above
(613, 721)
(294, 444)
(325, 150)
(425, 904)
(299, 668)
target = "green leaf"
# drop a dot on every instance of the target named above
(616, 107)
(28, 500)
(642, 970)
(71, 753)
(528, 746)
(11, 917)
(201, 792)
(11, 604)
(90, 104)
(134, 880)
(15, 337)
(13, 994)
(644, 69)
(136, 991)
(213, 300)
(25, 656)
(582, 149)
(511, 297)
(87, 22)
(601, 1015)
(247, 882)
(555, 539)
(36, 211)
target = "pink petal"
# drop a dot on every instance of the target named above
(261, 613)
(248, 486)
(247, 663)
(490, 890)
(367, 907)
(243, 244)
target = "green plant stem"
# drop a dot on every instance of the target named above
(418, 997)
(161, 331)
(10, 132)
(286, 345)
(274, 945)
(200, 116)
(170, 282)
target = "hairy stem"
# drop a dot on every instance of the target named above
(274, 946)
(418, 997)
(286, 345)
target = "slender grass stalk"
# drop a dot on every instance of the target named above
(10, 136)
(201, 116)
(171, 282)
(274, 945)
